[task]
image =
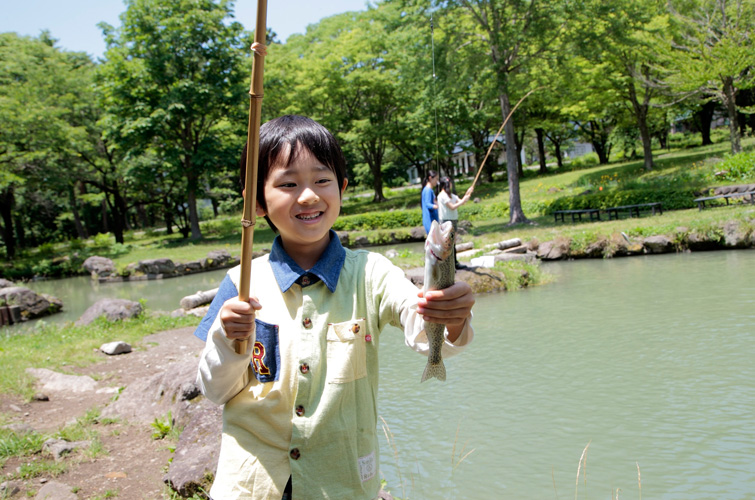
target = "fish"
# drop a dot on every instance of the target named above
(439, 274)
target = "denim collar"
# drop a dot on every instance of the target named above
(328, 267)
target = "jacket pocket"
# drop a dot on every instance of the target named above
(347, 352)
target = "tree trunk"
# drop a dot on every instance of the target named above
(196, 233)
(557, 152)
(516, 214)
(704, 117)
(541, 150)
(81, 231)
(641, 115)
(7, 200)
(730, 96)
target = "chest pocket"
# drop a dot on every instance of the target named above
(266, 356)
(347, 352)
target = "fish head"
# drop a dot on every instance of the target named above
(440, 241)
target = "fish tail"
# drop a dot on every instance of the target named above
(437, 370)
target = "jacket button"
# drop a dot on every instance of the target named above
(304, 368)
(295, 454)
(307, 322)
(300, 411)
(355, 328)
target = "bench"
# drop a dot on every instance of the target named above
(594, 214)
(634, 210)
(701, 201)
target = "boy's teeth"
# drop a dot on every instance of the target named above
(309, 217)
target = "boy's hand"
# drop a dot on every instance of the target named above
(237, 317)
(450, 306)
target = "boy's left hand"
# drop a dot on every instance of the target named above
(450, 306)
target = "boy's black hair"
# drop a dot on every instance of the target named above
(301, 134)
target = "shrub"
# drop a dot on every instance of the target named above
(734, 168)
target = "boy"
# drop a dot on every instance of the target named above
(300, 404)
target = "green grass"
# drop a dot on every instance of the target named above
(55, 347)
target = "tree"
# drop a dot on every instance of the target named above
(516, 34)
(40, 91)
(172, 81)
(713, 52)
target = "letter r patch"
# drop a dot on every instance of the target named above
(266, 352)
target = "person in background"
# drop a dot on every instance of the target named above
(429, 202)
(448, 204)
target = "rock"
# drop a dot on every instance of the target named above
(32, 304)
(54, 490)
(99, 266)
(343, 237)
(735, 236)
(553, 250)
(418, 233)
(4, 283)
(155, 396)
(218, 258)
(361, 241)
(54, 381)
(60, 447)
(700, 242)
(189, 267)
(391, 253)
(197, 451)
(9, 488)
(112, 309)
(40, 397)
(157, 266)
(117, 347)
(658, 244)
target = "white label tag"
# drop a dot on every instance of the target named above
(367, 467)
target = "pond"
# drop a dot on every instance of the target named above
(649, 360)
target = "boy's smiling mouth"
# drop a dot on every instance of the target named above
(310, 216)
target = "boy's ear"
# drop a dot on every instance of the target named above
(345, 183)
(260, 210)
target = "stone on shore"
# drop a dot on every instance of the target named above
(111, 309)
(33, 305)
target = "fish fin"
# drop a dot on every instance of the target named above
(434, 371)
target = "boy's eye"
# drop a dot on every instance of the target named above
(324, 181)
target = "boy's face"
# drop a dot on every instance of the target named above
(303, 201)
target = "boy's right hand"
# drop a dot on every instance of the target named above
(237, 317)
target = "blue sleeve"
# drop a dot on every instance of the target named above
(226, 290)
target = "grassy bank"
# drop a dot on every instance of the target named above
(679, 175)
(57, 347)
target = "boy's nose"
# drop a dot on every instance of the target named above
(308, 196)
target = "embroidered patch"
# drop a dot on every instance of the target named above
(266, 358)
(367, 467)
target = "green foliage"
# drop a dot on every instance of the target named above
(734, 168)
(672, 199)
(379, 220)
(162, 427)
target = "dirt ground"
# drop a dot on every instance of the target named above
(133, 464)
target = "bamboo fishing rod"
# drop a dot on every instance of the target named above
(249, 217)
(490, 148)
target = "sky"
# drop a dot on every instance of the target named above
(74, 22)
